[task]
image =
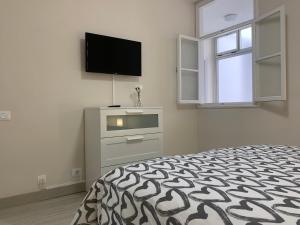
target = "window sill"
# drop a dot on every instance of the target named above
(227, 105)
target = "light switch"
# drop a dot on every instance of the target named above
(5, 115)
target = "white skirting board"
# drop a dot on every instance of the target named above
(45, 194)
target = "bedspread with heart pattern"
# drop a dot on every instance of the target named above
(249, 185)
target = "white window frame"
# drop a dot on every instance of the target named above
(222, 33)
(229, 54)
(201, 66)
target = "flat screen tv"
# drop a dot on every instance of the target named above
(112, 55)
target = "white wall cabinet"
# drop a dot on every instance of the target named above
(117, 136)
(269, 62)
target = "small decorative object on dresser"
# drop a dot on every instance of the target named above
(118, 136)
(138, 90)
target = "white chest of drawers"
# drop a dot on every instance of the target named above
(118, 136)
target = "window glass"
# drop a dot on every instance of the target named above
(189, 54)
(246, 38)
(227, 43)
(270, 77)
(235, 79)
(189, 85)
(221, 14)
(268, 36)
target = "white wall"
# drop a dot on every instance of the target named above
(43, 83)
(273, 123)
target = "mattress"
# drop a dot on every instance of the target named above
(249, 185)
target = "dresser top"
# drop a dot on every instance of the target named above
(125, 107)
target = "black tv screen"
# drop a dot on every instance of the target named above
(112, 55)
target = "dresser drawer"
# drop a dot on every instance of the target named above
(122, 150)
(122, 122)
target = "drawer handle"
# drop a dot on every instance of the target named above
(135, 138)
(134, 111)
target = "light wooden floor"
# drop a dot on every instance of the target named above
(59, 211)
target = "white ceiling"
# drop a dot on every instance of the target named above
(212, 14)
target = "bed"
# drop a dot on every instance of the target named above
(249, 185)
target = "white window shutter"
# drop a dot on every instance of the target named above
(269, 64)
(188, 79)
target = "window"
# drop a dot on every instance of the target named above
(246, 38)
(235, 79)
(236, 59)
(227, 43)
(234, 66)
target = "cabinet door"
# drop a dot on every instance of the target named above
(270, 57)
(188, 91)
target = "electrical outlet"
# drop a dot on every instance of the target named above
(5, 115)
(77, 174)
(42, 179)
